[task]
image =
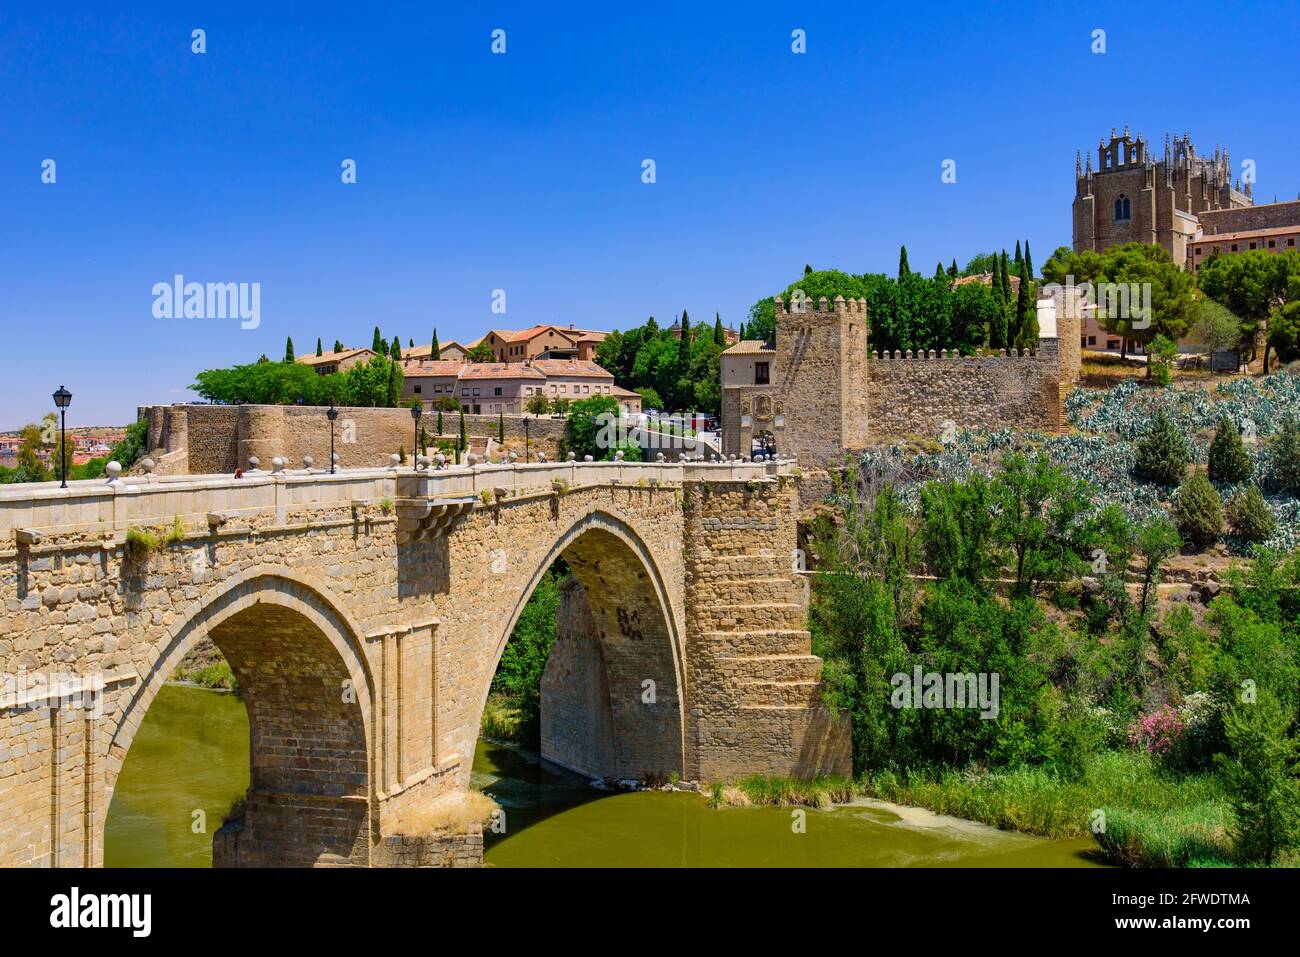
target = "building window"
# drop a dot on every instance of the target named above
(1271, 244)
(496, 390)
(1123, 210)
(760, 373)
(1252, 245)
(1092, 340)
(476, 390)
(1234, 247)
(417, 390)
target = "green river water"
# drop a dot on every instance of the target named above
(191, 754)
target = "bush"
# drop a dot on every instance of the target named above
(1249, 516)
(1259, 778)
(1198, 512)
(1285, 457)
(1163, 453)
(1228, 459)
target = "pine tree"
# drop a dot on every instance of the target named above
(952, 270)
(288, 349)
(718, 336)
(319, 352)
(903, 269)
(1228, 459)
(435, 352)
(1198, 511)
(395, 352)
(938, 271)
(1284, 458)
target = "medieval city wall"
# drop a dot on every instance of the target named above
(217, 439)
(918, 395)
(1250, 217)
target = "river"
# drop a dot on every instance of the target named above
(191, 755)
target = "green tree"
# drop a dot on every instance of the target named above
(1252, 285)
(903, 269)
(1198, 512)
(1162, 453)
(718, 336)
(435, 351)
(1284, 332)
(1259, 771)
(1228, 459)
(319, 351)
(338, 346)
(501, 427)
(650, 399)
(1249, 516)
(1026, 311)
(1215, 328)
(1284, 457)
(1156, 541)
(377, 344)
(1161, 355)
(975, 317)
(538, 405)
(1029, 261)
(587, 420)
(395, 351)
(288, 349)
(481, 353)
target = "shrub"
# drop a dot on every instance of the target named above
(1249, 516)
(1162, 454)
(1198, 512)
(1264, 794)
(139, 543)
(1160, 357)
(1228, 460)
(1158, 732)
(1285, 457)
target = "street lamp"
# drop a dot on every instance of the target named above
(332, 414)
(416, 410)
(62, 399)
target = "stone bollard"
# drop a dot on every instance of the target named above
(277, 464)
(114, 470)
(308, 462)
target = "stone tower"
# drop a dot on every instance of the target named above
(820, 377)
(1133, 197)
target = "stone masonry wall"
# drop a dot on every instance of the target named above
(916, 396)
(577, 724)
(220, 439)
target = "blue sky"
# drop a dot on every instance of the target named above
(522, 172)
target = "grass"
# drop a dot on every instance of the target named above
(1188, 837)
(455, 812)
(819, 792)
(1147, 816)
(216, 675)
(502, 719)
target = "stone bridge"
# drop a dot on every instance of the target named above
(364, 614)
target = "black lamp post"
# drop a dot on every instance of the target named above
(62, 399)
(415, 445)
(332, 413)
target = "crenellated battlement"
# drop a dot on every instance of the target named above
(922, 355)
(839, 305)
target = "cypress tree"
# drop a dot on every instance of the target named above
(440, 423)
(288, 349)
(684, 346)
(1029, 263)
(462, 444)
(903, 269)
(338, 346)
(318, 348)
(718, 336)
(377, 344)
(938, 271)
(742, 330)
(952, 270)
(394, 384)
(807, 270)
(395, 352)
(1026, 313)
(435, 352)
(998, 321)
(501, 428)
(1019, 260)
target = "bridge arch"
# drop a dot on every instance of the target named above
(637, 637)
(308, 690)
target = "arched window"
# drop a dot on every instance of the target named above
(1123, 211)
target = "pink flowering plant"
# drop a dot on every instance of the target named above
(1158, 732)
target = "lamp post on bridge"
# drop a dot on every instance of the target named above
(332, 414)
(416, 411)
(62, 399)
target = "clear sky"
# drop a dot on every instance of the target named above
(523, 171)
